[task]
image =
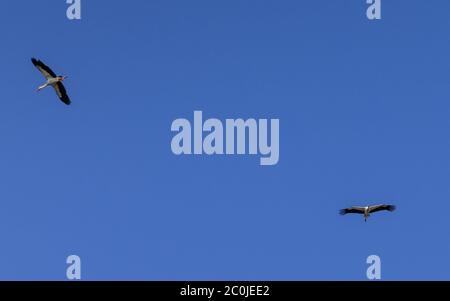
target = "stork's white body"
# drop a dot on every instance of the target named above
(366, 213)
(52, 81)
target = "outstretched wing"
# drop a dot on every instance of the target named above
(62, 93)
(44, 69)
(377, 208)
(354, 209)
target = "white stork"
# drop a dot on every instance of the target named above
(52, 80)
(367, 210)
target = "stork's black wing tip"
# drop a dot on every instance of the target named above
(342, 211)
(392, 208)
(66, 101)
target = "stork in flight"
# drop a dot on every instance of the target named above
(52, 80)
(367, 210)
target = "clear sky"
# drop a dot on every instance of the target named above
(364, 109)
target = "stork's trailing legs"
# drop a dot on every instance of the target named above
(42, 87)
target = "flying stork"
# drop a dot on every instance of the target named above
(52, 80)
(367, 210)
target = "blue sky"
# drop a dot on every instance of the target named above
(364, 118)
